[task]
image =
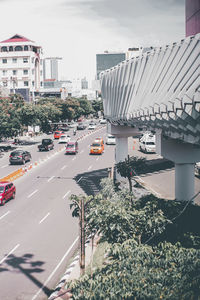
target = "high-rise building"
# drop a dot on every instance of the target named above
(108, 60)
(50, 68)
(192, 15)
(84, 84)
(21, 69)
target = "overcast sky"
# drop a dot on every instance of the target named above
(77, 30)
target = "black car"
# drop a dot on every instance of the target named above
(19, 157)
(81, 126)
(47, 144)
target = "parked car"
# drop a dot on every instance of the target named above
(19, 157)
(110, 140)
(91, 126)
(147, 143)
(64, 139)
(7, 191)
(47, 144)
(103, 121)
(57, 134)
(81, 126)
(96, 148)
(71, 147)
(197, 169)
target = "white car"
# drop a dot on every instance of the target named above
(91, 126)
(147, 143)
(64, 139)
(102, 121)
(110, 140)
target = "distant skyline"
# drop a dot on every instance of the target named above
(77, 30)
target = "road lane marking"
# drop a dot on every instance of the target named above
(50, 178)
(9, 253)
(4, 166)
(79, 179)
(81, 151)
(97, 158)
(56, 268)
(90, 167)
(63, 167)
(4, 215)
(44, 218)
(32, 193)
(66, 194)
(74, 158)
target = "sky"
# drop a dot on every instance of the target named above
(77, 30)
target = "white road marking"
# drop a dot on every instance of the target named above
(44, 218)
(63, 167)
(66, 194)
(50, 178)
(81, 151)
(9, 253)
(79, 179)
(32, 193)
(4, 166)
(90, 167)
(97, 158)
(4, 215)
(56, 268)
(74, 158)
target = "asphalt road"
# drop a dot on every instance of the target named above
(38, 234)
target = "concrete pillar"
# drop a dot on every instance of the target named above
(184, 155)
(121, 152)
(184, 181)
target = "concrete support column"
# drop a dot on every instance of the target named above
(184, 181)
(184, 155)
(121, 152)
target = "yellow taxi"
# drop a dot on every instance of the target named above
(96, 148)
(100, 140)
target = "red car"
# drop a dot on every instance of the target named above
(7, 191)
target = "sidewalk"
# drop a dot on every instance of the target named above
(73, 272)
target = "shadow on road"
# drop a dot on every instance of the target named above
(25, 265)
(90, 181)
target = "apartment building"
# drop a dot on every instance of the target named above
(21, 66)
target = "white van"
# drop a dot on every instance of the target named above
(147, 143)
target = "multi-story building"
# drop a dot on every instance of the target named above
(21, 66)
(51, 68)
(108, 60)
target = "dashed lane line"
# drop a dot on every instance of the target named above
(50, 178)
(66, 194)
(63, 167)
(44, 218)
(9, 253)
(4, 215)
(32, 193)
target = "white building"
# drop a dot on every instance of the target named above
(21, 66)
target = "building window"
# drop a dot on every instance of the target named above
(32, 60)
(41, 83)
(11, 48)
(33, 71)
(4, 60)
(25, 72)
(41, 73)
(4, 72)
(25, 59)
(5, 83)
(40, 61)
(14, 72)
(4, 49)
(14, 60)
(33, 83)
(25, 83)
(25, 48)
(18, 48)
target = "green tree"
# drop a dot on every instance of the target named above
(130, 167)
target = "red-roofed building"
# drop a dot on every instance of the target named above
(21, 66)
